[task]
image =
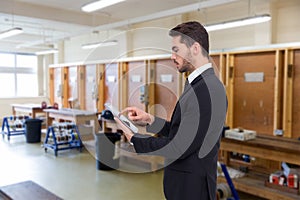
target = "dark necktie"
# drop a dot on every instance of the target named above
(186, 84)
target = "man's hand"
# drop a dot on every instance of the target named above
(127, 132)
(138, 116)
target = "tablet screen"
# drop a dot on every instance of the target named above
(122, 118)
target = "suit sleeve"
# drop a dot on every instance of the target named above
(160, 126)
(148, 144)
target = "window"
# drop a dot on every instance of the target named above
(18, 75)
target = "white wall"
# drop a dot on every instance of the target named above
(5, 104)
(74, 53)
(288, 21)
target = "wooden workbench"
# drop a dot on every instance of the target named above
(264, 147)
(30, 109)
(79, 117)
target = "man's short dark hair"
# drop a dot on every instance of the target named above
(190, 33)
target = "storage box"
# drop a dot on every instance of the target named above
(240, 134)
(292, 181)
(277, 178)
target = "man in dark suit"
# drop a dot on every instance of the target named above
(190, 141)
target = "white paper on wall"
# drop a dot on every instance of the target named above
(166, 78)
(254, 77)
(111, 79)
(136, 78)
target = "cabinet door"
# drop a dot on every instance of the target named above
(296, 96)
(136, 76)
(254, 78)
(167, 86)
(73, 97)
(58, 86)
(111, 86)
(91, 88)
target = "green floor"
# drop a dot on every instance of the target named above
(73, 175)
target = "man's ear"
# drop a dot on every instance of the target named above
(196, 48)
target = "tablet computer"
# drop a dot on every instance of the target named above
(122, 118)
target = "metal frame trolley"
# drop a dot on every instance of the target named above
(13, 125)
(62, 136)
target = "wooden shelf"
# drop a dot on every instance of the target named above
(269, 148)
(257, 187)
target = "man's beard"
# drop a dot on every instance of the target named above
(186, 65)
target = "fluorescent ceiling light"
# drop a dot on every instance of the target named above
(99, 44)
(11, 32)
(99, 5)
(48, 51)
(238, 23)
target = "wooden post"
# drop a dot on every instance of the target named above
(288, 93)
(123, 84)
(51, 85)
(223, 68)
(65, 86)
(278, 90)
(100, 80)
(230, 88)
(151, 85)
(81, 76)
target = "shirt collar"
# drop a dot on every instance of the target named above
(198, 71)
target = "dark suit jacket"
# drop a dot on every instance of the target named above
(190, 141)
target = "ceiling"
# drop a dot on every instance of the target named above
(46, 22)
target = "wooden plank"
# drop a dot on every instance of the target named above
(151, 86)
(288, 93)
(100, 80)
(278, 90)
(123, 85)
(65, 87)
(81, 81)
(256, 187)
(51, 85)
(259, 148)
(223, 68)
(230, 73)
